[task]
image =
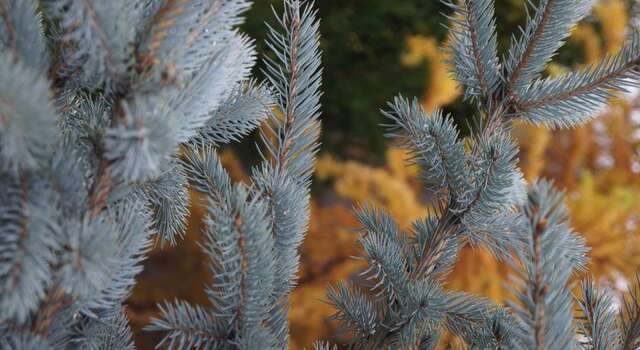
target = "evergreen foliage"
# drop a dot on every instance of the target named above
(254, 231)
(481, 199)
(108, 110)
(128, 103)
(362, 43)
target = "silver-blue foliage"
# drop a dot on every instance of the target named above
(551, 255)
(474, 47)
(480, 198)
(542, 36)
(127, 103)
(254, 230)
(108, 109)
(28, 127)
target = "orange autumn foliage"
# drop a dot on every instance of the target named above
(441, 87)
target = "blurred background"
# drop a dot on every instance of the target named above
(373, 50)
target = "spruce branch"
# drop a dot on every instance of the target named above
(100, 189)
(324, 346)
(385, 252)
(157, 42)
(630, 317)
(438, 151)
(97, 40)
(473, 195)
(54, 301)
(242, 112)
(577, 97)
(207, 175)
(538, 289)
(290, 140)
(188, 326)
(541, 37)
(22, 36)
(598, 324)
(141, 141)
(206, 93)
(219, 21)
(110, 330)
(489, 217)
(418, 317)
(474, 48)
(91, 171)
(436, 249)
(86, 184)
(482, 199)
(552, 255)
(9, 39)
(24, 340)
(168, 198)
(27, 121)
(354, 310)
(179, 30)
(295, 76)
(480, 322)
(241, 250)
(27, 244)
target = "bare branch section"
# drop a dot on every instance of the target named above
(539, 289)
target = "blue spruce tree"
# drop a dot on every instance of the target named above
(109, 110)
(481, 199)
(254, 231)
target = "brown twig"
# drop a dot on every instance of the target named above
(475, 47)
(539, 286)
(583, 89)
(289, 113)
(55, 300)
(450, 225)
(244, 265)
